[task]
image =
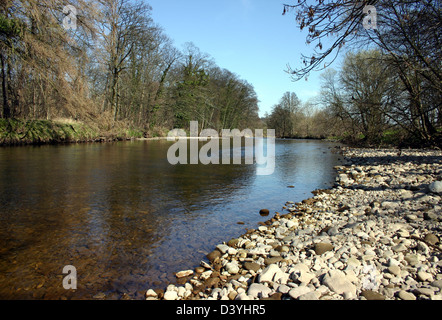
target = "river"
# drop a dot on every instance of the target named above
(126, 219)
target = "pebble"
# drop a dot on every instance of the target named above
(435, 187)
(258, 290)
(424, 276)
(264, 212)
(269, 273)
(394, 269)
(372, 295)
(215, 254)
(251, 266)
(223, 248)
(309, 296)
(283, 288)
(321, 248)
(232, 267)
(101, 296)
(404, 295)
(437, 284)
(423, 291)
(431, 239)
(151, 294)
(183, 274)
(336, 281)
(295, 293)
(412, 259)
(170, 295)
(375, 235)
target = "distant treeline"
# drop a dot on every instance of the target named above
(363, 103)
(108, 63)
(390, 87)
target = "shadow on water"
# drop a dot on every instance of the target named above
(126, 218)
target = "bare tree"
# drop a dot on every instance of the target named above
(366, 83)
(407, 32)
(121, 25)
(39, 57)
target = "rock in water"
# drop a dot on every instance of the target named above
(151, 294)
(214, 255)
(264, 212)
(183, 274)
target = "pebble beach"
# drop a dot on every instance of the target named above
(376, 235)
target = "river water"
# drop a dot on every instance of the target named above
(126, 219)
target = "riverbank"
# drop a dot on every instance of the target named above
(14, 132)
(376, 235)
(18, 132)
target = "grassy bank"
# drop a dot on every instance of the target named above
(26, 132)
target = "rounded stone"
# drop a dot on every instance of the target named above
(232, 242)
(424, 276)
(396, 270)
(170, 295)
(264, 212)
(151, 293)
(214, 255)
(259, 290)
(184, 273)
(435, 187)
(431, 239)
(295, 293)
(251, 266)
(200, 269)
(321, 248)
(412, 259)
(232, 268)
(405, 295)
(437, 284)
(372, 295)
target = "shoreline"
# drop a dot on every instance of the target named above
(16, 133)
(19, 132)
(375, 235)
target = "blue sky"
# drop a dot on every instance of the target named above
(248, 37)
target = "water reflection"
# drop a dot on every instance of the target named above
(126, 218)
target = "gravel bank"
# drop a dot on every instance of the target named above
(376, 235)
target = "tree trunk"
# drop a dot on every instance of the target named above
(6, 107)
(114, 93)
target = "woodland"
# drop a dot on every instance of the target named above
(85, 70)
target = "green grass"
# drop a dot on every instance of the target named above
(391, 137)
(131, 133)
(23, 132)
(17, 132)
